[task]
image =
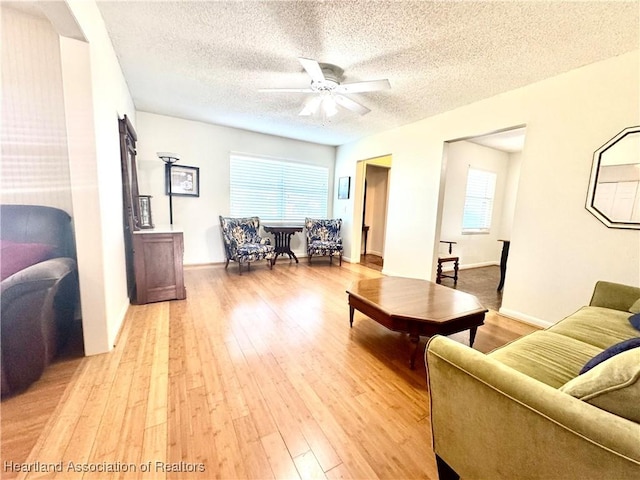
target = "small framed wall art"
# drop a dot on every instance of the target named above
(144, 203)
(185, 181)
(344, 185)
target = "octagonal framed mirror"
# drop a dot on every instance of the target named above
(614, 186)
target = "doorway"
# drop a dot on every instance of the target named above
(480, 247)
(375, 193)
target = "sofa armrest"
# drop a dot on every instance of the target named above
(614, 295)
(37, 305)
(36, 277)
(491, 421)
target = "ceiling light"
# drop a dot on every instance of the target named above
(329, 106)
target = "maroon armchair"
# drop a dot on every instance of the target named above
(39, 290)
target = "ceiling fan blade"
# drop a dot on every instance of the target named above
(351, 104)
(368, 86)
(313, 69)
(286, 90)
(311, 107)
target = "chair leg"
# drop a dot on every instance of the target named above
(226, 264)
(309, 258)
(455, 272)
(340, 259)
(270, 263)
(439, 272)
(239, 268)
(330, 259)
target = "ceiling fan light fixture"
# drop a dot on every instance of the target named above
(325, 82)
(311, 107)
(329, 106)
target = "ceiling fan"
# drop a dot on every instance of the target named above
(325, 82)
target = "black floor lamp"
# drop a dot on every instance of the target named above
(169, 159)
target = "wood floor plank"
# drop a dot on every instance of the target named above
(282, 465)
(251, 448)
(252, 376)
(308, 467)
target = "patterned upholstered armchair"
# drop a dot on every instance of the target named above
(243, 243)
(323, 238)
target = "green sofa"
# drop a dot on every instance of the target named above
(524, 412)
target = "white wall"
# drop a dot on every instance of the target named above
(474, 250)
(35, 164)
(96, 96)
(208, 146)
(558, 249)
(510, 195)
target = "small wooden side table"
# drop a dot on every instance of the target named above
(283, 234)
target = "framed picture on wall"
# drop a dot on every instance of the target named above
(344, 185)
(185, 181)
(144, 202)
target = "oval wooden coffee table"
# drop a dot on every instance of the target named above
(416, 307)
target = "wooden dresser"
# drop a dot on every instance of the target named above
(157, 259)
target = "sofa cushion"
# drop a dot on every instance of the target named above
(18, 256)
(613, 385)
(597, 326)
(612, 351)
(546, 356)
(635, 308)
(634, 320)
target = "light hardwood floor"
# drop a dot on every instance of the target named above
(252, 376)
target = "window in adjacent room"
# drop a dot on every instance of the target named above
(277, 190)
(478, 204)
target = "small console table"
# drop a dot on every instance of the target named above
(283, 234)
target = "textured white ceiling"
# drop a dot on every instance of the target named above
(206, 60)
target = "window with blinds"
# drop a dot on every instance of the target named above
(277, 190)
(478, 204)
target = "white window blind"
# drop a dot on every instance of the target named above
(277, 190)
(478, 204)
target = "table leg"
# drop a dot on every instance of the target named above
(503, 264)
(415, 339)
(289, 251)
(351, 309)
(472, 335)
(283, 246)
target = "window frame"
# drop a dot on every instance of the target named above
(486, 210)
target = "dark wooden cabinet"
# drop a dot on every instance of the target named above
(154, 256)
(158, 265)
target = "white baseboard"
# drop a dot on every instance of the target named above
(536, 322)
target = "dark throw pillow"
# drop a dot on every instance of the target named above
(18, 256)
(634, 320)
(612, 351)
